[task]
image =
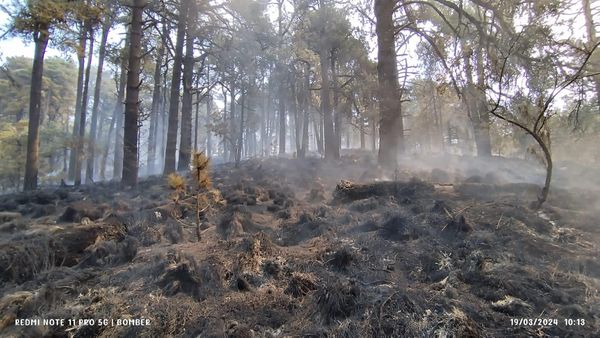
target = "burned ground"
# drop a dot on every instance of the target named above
(295, 251)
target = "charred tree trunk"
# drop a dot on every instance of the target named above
(328, 132)
(196, 119)
(225, 141)
(84, 106)
(156, 104)
(164, 114)
(362, 133)
(40, 37)
(185, 140)
(265, 136)
(295, 112)
(232, 126)
(208, 131)
(171, 151)
(373, 134)
(391, 128)
(305, 111)
(482, 132)
(94, 125)
(80, 78)
(104, 159)
(282, 119)
(337, 115)
(240, 138)
(118, 155)
(318, 126)
(130, 136)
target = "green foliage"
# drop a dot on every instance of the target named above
(13, 145)
(58, 99)
(34, 15)
(58, 94)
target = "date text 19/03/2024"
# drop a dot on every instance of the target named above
(546, 321)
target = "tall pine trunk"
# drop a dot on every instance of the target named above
(80, 79)
(118, 155)
(208, 131)
(156, 104)
(282, 119)
(240, 136)
(171, 148)
(84, 105)
(185, 140)
(328, 132)
(232, 126)
(130, 136)
(337, 114)
(35, 101)
(592, 40)
(474, 100)
(296, 115)
(391, 128)
(94, 125)
(305, 111)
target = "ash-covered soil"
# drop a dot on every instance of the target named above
(304, 249)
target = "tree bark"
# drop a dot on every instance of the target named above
(391, 128)
(482, 115)
(41, 38)
(337, 116)
(240, 138)
(118, 155)
(282, 119)
(328, 132)
(208, 131)
(156, 103)
(171, 150)
(318, 127)
(373, 134)
(130, 136)
(232, 126)
(79, 154)
(80, 78)
(185, 139)
(104, 159)
(305, 111)
(225, 140)
(362, 134)
(101, 55)
(295, 93)
(591, 37)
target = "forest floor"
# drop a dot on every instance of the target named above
(294, 251)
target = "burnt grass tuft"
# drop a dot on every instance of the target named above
(337, 300)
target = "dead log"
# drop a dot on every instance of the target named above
(350, 191)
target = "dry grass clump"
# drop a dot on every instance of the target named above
(456, 323)
(301, 284)
(342, 259)
(21, 261)
(180, 275)
(338, 300)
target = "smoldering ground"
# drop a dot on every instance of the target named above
(426, 250)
